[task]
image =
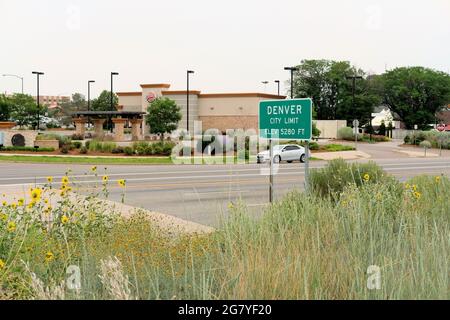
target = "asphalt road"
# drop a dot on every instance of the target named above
(197, 193)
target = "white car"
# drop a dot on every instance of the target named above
(288, 152)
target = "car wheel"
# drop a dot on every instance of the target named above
(277, 159)
(302, 158)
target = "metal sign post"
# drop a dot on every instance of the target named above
(286, 120)
(271, 172)
(355, 131)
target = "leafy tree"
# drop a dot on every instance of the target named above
(326, 82)
(163, 116)
(5, 108)
(77, 103)
(103, 102)
(24, 109)
(415, 94)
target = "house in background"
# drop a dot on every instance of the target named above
(383, 113)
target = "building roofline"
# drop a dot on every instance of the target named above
(242, 95)
(180, 92)
(129, 93)
(156, 85)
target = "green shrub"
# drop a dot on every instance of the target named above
(99, 146)
(129, 151)
(346, 133)
(117, 150)
(407, 139)
(338, 174)
(77, 144)
(65, 149)
(314, 146)
(78, 137)
(425, 144)
(87, 144)
(83, 150)
(33, 149)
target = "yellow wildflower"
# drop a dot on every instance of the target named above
(121, 183)
(21, 202)
(94, 169)
(65, 180)
(36, 194)
(414, 187)
(366, 177)
(4, 203)
(14, 205)
(11, 226)
(437, 179)
(49, 179)
(105, 179)
(3, 216)
(64, 219)
(46, 201)
(49, 256)
(2, 264)
(417, 195)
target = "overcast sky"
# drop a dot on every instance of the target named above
(232, 45)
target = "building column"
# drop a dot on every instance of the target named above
(80, 126)
(119, 126)
(98, 126)
(136, 131)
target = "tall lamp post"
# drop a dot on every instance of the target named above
(15, 76)
(278, 86)
(291, 69)
(89, 94)
(38, 74)
(89, 99)
(112, 98)
(265, 85)
(188, 72)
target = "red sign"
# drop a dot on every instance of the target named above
(441, 127)
(151, 97)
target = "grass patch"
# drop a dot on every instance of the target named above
(337, 147)
(85, 160)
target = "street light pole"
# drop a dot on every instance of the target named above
(188, 72)
(16, 76)
(38, 74)
(278, 85)
(89, 94)
(291, 69)
(265, 85)
(112, 99)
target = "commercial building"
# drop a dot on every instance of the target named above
(220, 111)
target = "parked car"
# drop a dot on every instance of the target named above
(288, 152)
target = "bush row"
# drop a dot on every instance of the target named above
(435, 138)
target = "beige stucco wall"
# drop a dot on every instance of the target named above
(131, 103)
(229, 106)
(223, 123)
(329, 128)
(181, 101)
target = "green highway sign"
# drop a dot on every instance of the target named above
(286, 119)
